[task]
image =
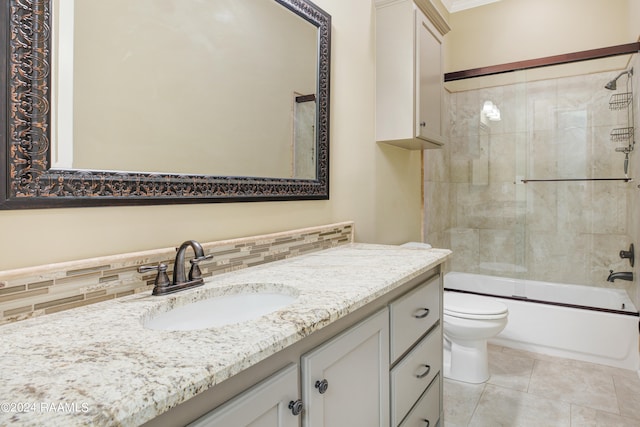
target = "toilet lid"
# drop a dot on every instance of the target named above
(472, 306)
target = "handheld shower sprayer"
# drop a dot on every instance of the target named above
(612, 85)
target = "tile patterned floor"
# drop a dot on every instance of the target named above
(530, 389)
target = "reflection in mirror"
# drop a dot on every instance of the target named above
(164, 101)
(233, 110)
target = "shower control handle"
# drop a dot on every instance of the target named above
(630, 255)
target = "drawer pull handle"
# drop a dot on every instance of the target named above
(322, 386)
(425, 373)
(426, 421)
(296, 407)
(421, 313)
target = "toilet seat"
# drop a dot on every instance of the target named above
(469, 306)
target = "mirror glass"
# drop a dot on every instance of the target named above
(223, 87)
(164, 101)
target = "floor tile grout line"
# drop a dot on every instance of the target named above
(533, 367)
(475, 408)
(615, 389)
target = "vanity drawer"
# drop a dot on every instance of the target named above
(414, 373)
(426, 413)
(412, 315)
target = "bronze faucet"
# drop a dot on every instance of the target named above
(624, 275)
(162, 284)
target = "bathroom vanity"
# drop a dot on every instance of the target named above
(360, 343)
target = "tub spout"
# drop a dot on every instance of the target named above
(623, 275)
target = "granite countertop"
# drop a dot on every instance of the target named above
(97, 365)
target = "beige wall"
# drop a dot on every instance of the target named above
(514, 30)
(634, 20)
(363, 179)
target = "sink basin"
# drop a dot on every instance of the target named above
(220, 310)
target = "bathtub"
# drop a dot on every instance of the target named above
(585, 323)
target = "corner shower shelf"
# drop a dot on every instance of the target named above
(620, 101)
(621, 134)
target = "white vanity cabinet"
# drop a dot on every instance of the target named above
(409, 74)
(345, 381)
(271, 403)
(379, 366)
(416, 355)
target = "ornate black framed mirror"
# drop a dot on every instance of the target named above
(77, 131)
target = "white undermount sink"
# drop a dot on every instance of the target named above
(221, 310)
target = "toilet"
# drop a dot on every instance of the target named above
(469, 321)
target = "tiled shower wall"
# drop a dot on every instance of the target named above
(477, 205)
(633, 205)
(36, 291)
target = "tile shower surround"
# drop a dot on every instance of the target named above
(35, 291)
(568, 232)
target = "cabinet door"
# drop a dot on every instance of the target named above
(263, 405)
(354, 368)
(430, 79)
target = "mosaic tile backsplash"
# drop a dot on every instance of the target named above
(36, 291)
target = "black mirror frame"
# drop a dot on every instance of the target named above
(28, 182)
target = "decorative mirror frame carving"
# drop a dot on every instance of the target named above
(28, 182)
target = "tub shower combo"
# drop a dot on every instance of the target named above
(542, 199)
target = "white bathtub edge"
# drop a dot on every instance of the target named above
(604, 338)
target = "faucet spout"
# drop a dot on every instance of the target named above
(180, 279)
(622, 275)
(179, 275)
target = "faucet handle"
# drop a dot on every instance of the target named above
(630, 254)
(162, 279)
(195, 273)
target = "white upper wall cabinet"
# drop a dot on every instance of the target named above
(409, 74)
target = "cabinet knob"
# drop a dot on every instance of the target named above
(425, 373)
(424, 420)
(322, 386)
(423, 124)
(296, 407)
(421, 313)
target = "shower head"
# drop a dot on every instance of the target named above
(612, 85)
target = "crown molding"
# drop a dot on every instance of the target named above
(434, 15)
(428, 8)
